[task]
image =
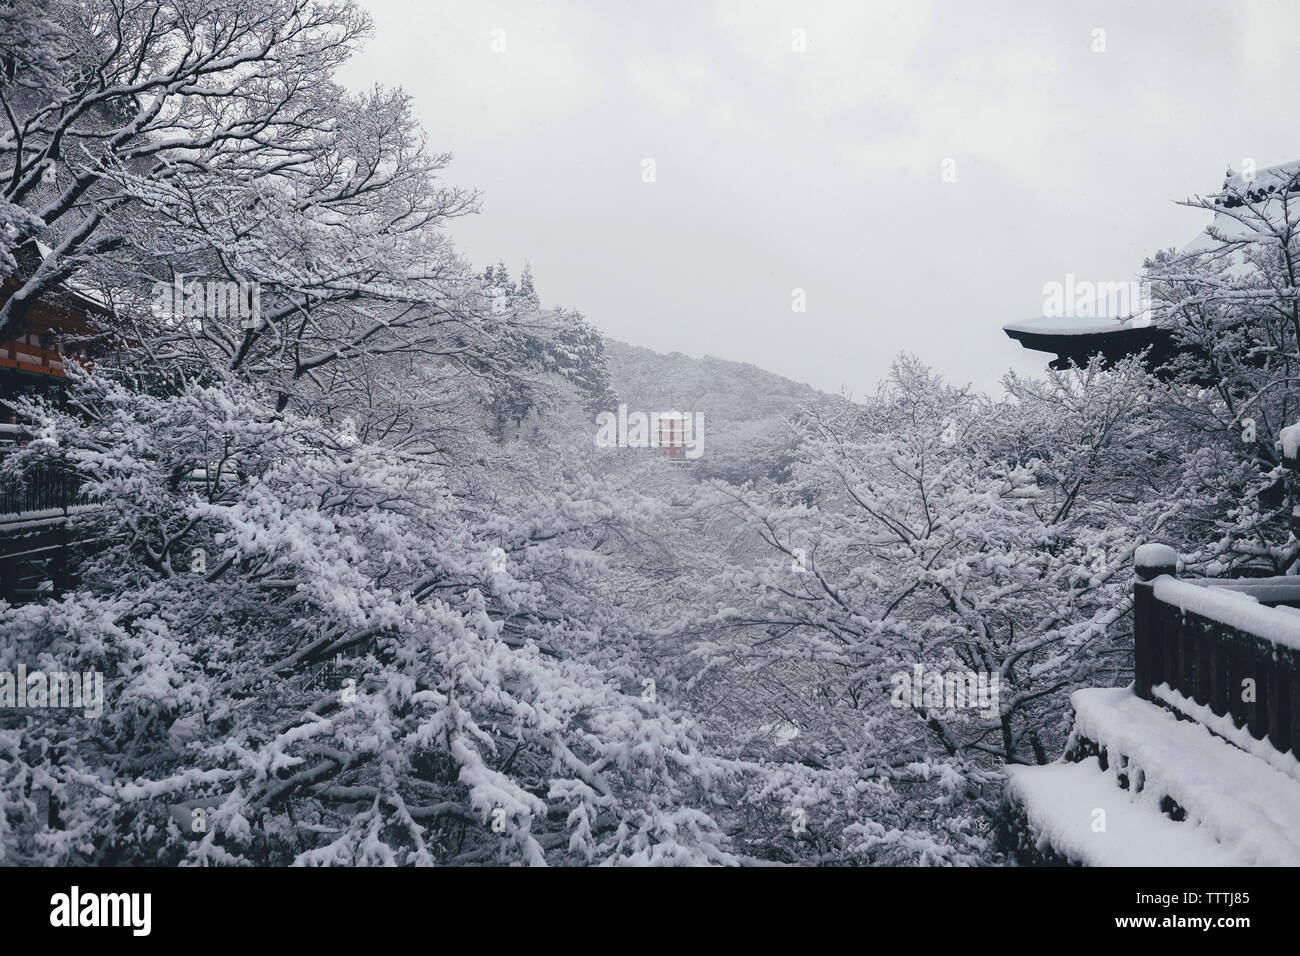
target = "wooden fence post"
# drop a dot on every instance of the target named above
(1150, 562)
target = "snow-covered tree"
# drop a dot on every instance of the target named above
(240, 549)
(318, 479)
(1230, 297)
(932, 527)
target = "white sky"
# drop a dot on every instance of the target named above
(822, 170)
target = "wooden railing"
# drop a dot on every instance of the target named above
(28, 357)
(1231, 646)
(42, 489)
(330, 675)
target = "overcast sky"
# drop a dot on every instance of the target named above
(822, 170)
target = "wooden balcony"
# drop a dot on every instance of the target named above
(1196, 764)
(1230, 646)
(37, 541)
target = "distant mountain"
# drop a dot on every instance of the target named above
(746, 410)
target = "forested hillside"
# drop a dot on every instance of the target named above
(747, 412)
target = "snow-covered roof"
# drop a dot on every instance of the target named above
(1066, 325)
(1265, 182)
(1235, 219)
(1238, 219)
(93, 296)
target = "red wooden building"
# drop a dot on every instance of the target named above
(35, 509)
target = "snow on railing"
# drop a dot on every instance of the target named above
(44, 490)
(1220, 644)
(1290, 440)
(330, 675)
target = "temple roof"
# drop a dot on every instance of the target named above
(1043, 325)
(1244, 211)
